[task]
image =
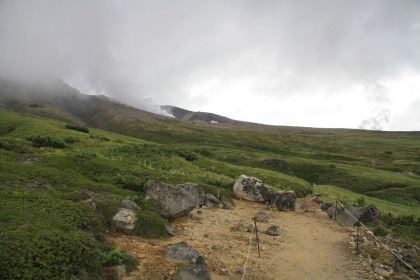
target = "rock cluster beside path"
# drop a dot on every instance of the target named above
(180, 200)
(253, 189)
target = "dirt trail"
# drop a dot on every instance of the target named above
(308, 247)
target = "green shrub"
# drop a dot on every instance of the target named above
(361, 201)
(4, 145)
(380, 231)
(189, 156)
(128, 182)
(114, 257)
(105, 210)
(149, 222)
(86, 155)
(219, 182)
(52, 254)
(46, 141)
(71, 140)
(77, 128)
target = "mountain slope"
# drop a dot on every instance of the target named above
(183, 114)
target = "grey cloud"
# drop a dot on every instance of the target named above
(156, 50)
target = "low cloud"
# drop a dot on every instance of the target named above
(166, 52)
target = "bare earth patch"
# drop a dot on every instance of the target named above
(309, 246)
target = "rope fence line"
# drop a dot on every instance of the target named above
(369, 231)
(249, 249)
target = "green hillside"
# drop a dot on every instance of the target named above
(48, 173)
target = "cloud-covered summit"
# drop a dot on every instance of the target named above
(310, 63)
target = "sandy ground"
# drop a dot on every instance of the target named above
(309, 246)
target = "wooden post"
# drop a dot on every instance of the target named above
(357, 238)
(258, 241)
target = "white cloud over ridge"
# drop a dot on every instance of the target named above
(309, 63)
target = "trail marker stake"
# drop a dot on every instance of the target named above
(357, 238)
(258, 241)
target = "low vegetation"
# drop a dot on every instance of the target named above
(46, 195)
(77, 128)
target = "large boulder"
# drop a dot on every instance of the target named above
(283, 200)
(367, 214)
(195, 192)
(181, 252)
(252, 189)
(125, 220)
(175, 201)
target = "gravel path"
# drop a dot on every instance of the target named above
(309, 246)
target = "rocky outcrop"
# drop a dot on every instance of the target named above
(227, 202)
(197, 268)
(125, 220)
(181, 251)
(211, 201)
(283, 200)
(129, 204)
(175, 201)
(195, 192)
(367, 214)
(273, 230)
(253, 189)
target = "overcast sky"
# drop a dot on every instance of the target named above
(318, 63)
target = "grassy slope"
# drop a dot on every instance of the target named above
(29, 207)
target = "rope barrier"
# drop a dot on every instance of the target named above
(249, 249)
(378, 239)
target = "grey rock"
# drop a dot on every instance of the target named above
(196, 271)
(120, 271)
(242, 270)
(227, 202)
(383, 271)
(211, 201)
(262, 217)
(195, 192)
(406, 172)
(367, 214)
(273, 230)
(283, 200)
(125, 220)
(252, 189)
(175, 201)
(181, 251)
(170, 230)
(129, 204)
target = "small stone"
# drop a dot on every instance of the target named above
(193, 260)
(142, 256)
(242, 270)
